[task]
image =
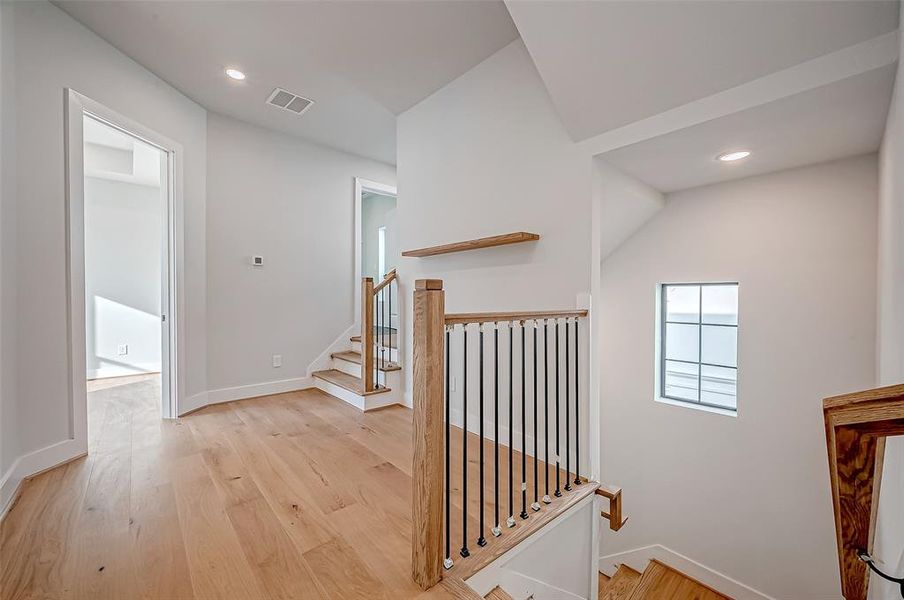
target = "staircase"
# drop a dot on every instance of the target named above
(366, 373)
(658, 582)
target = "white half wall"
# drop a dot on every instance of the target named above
(51, 51)
(747, 496)
(889, 543)
(291, 202)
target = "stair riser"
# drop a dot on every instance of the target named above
(345, 366)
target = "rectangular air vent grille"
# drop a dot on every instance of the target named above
(286, 100)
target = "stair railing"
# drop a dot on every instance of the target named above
(537, 387)
(856, 427)
(378, 335)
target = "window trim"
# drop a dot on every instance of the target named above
(661, 322)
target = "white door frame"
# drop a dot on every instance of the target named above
(361, 186)
(172, 300)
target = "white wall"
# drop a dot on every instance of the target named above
(293, 203)
(53, 52)
(626, 204)
(486, 155)
(749, 496)
(123, 234)
(889, 545)
(9, 431)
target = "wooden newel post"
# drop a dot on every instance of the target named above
(428, 470)
(367, 333)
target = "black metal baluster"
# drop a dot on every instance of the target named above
(567, 412)
(481, 541)
(464, 446)
(511, 443)
(524, 514)
(536, 503)
(577, 404)
(497, 531)
(447, 562)
(546, 498)
(383, 334)
(558, 491)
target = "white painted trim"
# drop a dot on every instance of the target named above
(117, 371)
(829, 68)
(33, 463)
(76, 106)
(638, 559)
(343, 394)
(362, 185)
(242, 392)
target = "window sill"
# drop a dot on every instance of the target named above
(693, 405)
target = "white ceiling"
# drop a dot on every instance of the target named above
(845, 118)
(361, 62)
(607, 64)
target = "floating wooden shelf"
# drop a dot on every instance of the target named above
(487, 242)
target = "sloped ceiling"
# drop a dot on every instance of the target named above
(607, 64)
(361, 62)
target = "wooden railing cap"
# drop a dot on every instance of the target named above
(891, 392)
(428, 284)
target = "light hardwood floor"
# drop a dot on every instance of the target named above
(297, 495)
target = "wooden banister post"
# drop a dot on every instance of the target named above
(428, 470)
(367, 333)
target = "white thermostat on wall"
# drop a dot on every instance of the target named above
(257, 261)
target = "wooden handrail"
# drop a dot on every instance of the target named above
(387, 279)
(493, 317)
(614, 494)
(856, 427)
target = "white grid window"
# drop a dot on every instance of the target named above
(698, 361)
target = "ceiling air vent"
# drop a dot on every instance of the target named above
(294, 103)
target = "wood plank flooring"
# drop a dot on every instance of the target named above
(297, 495)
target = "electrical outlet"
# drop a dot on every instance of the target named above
(122, 349)
(277, 360)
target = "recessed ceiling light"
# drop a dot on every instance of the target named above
(733, 156)
(235, 74)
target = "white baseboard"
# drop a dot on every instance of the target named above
(638, 559)
(242, 392)
(36, 462)
(118, 371)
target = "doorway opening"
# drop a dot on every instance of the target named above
(123, 207)
(125, 214)
(377, 249)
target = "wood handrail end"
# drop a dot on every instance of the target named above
(428, 284)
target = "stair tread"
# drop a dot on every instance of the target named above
(497, 593)
(346, 381)
(621, 585)
(353, 356)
